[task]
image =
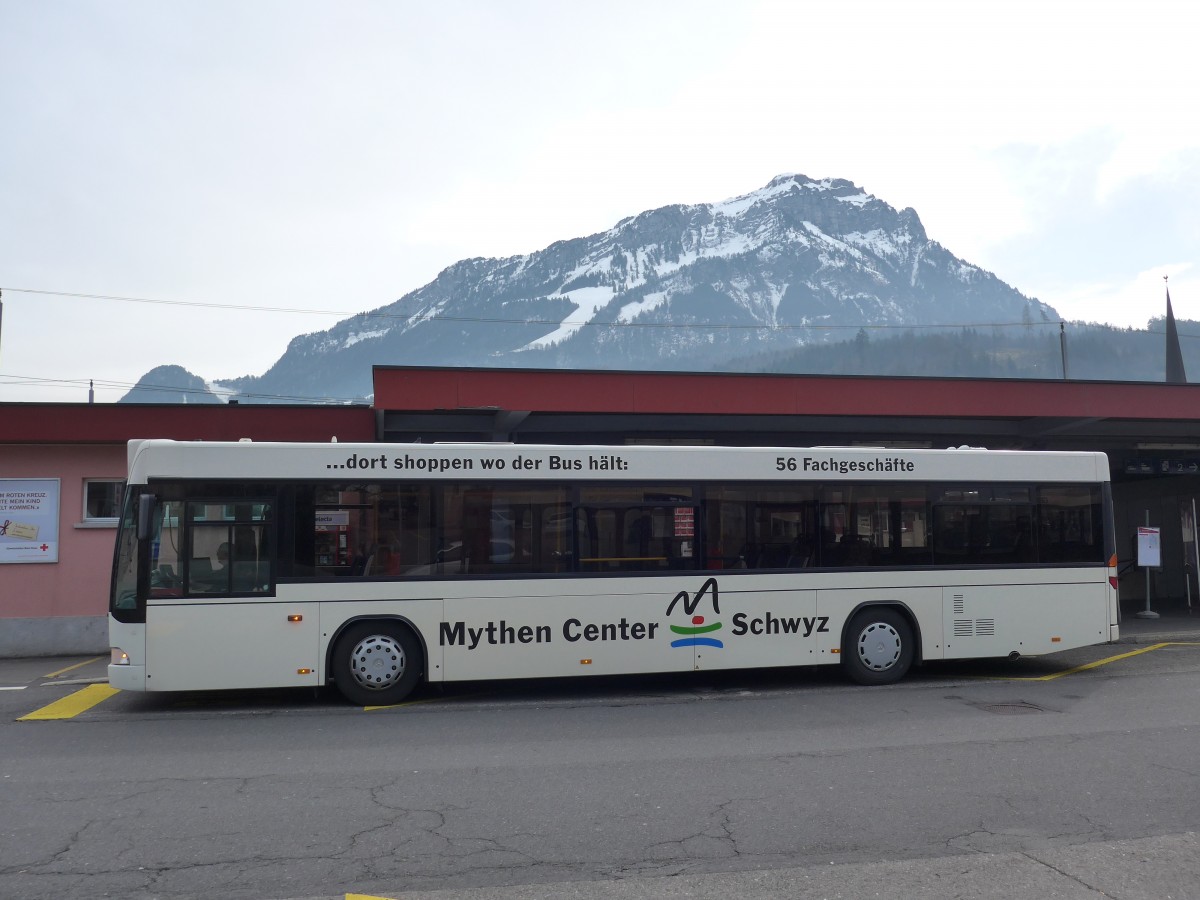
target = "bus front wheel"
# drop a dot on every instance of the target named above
(376, 663)
(879, 646)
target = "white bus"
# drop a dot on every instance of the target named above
(377, 566)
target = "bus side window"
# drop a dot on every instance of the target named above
(228, 546)
(1069, 524)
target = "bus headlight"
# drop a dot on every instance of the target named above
(119, 657)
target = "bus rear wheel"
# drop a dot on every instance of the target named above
(879, 646)
(376, 663)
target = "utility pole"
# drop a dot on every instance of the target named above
(1062, 345)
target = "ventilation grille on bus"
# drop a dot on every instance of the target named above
(964, 627)
(974, 627)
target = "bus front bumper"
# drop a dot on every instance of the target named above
(127, 677)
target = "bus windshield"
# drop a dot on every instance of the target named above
(125, 565)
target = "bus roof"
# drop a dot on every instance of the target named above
(268, 461)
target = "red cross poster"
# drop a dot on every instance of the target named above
(29, 520)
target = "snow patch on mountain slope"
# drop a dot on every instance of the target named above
(631, 311)
(363, 336)
(735, 206)
(588, 301)
(875, 241)
(857, 199)
(221, 391)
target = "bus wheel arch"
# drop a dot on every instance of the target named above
(376, 661)
(880, 643)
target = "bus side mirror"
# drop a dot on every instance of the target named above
(145, 513)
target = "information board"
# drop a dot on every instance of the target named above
(1149, 548)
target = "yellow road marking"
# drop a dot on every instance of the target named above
(1102, 662)
(73, 668)
(364, 897)
(73, 704)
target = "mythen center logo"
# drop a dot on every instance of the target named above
(693, 633)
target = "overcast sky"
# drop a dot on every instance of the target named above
(334, 156)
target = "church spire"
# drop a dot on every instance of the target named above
(1175, 372)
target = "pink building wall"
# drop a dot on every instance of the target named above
(61, 607)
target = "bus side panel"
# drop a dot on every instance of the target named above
(235, 644)
(996, 620)
(761, 628)
(923, 603)
(531, 637)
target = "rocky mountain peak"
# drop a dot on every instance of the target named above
(797, 261)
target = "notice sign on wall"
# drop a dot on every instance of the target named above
(29, 520)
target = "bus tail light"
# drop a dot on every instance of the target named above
(119, 657)
(1112, 564)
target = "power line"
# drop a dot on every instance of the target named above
(417, 318)
(194, 303)
(35, 381)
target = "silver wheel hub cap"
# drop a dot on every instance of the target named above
(879, 646)
(377, 662)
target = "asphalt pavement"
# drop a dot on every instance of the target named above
(1133, 867)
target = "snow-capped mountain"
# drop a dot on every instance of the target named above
(682, 287)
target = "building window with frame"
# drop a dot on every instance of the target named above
(102, 500)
